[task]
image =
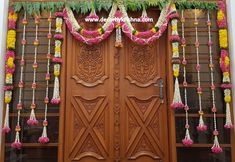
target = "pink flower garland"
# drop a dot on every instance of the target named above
(81, 38)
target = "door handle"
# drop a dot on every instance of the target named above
(160, 84)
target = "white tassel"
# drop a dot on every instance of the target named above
(6, 128)
(17, 144)
(228, 123)
(118, 42)
(56, 92)
(177, 101)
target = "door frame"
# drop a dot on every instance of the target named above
(169, 94)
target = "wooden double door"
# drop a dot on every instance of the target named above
(115, 102)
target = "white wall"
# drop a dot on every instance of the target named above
(231, 25)
(3, 31)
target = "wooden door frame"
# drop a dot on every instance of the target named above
(169, 93)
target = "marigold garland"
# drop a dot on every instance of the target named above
(174, 38)
(10, 66)
(57, 58)
(224, 61)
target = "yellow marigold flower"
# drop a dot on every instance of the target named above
(154, 30)
(13, 16)
(11, 33)
(173, 5)
(56, 73)
(174, 28)
(226, 73)
(7, 99)
(58, 25)
(175, 50)
(100, 30)
(223, 38)
(57, 49)
(10, 62)
(220, 15)
(227, 60)
(176, 73)
(227, 99)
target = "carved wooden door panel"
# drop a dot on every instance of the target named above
(143, 108)
(114, 110)
(88, 114)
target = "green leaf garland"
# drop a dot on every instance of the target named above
(132, 5)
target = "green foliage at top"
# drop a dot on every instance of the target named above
(85, 6)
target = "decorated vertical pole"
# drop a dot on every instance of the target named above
(44, 138)
(175, 39)
(9, 66)
(216, 147)
(57, 57)
(224, 61)
(32, 118)
(187, 141)
(201, 125)
(17, 144)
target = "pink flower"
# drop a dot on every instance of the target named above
(221, 5)
(201, 128)
(216, 149)
(16, 145)
(148, 33)
(118, 14)
(226, 86)
(43, 140)
(187, 142)
(90, 33)
(222, 23)
(11, 24)
(6, 129)
(59, 14)
(57, 60)
(58, 36)
(6, 88)
(32, 122)
(177, 105)
(228, 126)
(174, 38)
(55, 101)
(173, 16)
(10, 54)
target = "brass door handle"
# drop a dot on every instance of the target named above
(160, 84)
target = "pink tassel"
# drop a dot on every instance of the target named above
(32, 119)
(44, 139)
(187, 141)
(17, 144)
(201, 126)
(216, 147)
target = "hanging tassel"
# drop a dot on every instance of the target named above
(201, 126)
(17, 144)
(32, 119)
(56, 92)
(44, 138)
(6, 128)
(118, 42)
(144, 17)
(177, 102)
(216, 147)
(228, 123)
(187, 141)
